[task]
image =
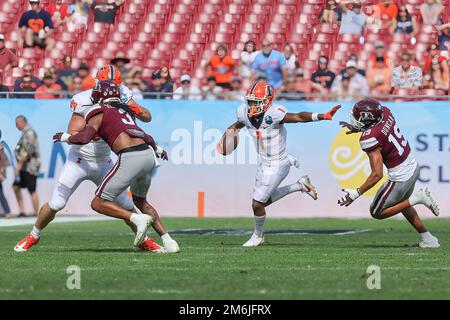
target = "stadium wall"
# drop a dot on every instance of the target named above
(190, 130)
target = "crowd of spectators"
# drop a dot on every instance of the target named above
(225, 77)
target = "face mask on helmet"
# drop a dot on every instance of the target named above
(255, 106)
(359, 126)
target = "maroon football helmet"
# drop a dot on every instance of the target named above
(365, 114)
(105, 91)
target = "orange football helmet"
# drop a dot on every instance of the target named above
(109, 72)
(259, 98)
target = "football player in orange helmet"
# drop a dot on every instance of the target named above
(265, 123)
(111, 72)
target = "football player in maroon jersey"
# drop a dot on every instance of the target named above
(384, 144)
(114, 122)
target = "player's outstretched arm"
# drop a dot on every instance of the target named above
(376, 164)
(310, 116)
(84, 136)
(141, 113)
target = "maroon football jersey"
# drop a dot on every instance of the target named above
(114, 122)
(386, 135)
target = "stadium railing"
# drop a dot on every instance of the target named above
(237, 97)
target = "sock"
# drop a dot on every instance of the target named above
(426, 236)
(284, 191)
(259, 225)
(36, 232)
(135, 218)
(166, 238)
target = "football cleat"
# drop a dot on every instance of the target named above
(171, 246)
(427, 200)
(431, 243)
(26, 243)
(150, 245)
(141, 228)
(308, 188)
(254, 241)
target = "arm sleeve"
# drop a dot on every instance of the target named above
(48, 20)
(23, 21)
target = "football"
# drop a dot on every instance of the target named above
(228, 143)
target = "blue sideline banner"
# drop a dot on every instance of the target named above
(189, 130)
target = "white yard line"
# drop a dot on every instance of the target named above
(61, 219)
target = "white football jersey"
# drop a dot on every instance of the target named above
(269, 135)
(81, 104)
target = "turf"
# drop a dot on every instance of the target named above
(217, 267)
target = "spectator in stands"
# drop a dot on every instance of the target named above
(121, 61)
(76, 85)
(211, 91)
(386, 12)
(155, 88)
(87, 80)
(322, 75)
(331, 14)
(59, 12)
(187, 91)
(406, 76)
(354, 57)
(237, 92)
(104, 12)
(3, 88)
(444, 38)
(379, 53)
(79, 12)
(48, 88)
(439, 77)
(357, 82)
(26, 83)
(67, 73)
(379, 77)
(134, 87)
(36, 27)
(353, 20)
(431, 12)
(344, 91)
(290, 91)
(292, 62)
(136, 83)
(166, 80)
(437, 67)
(271, 64)
(8, 59)
(307, 86)
(404, 22)
(28, 164)
(221, 67)
(247, 57)
(56, 78)
(4, 206)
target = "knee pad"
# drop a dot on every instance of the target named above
(59, 197)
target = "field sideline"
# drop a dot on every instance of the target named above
(319, 266)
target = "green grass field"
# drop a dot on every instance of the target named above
(217, 267)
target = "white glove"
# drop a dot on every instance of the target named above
(350, 196)
(293, 161)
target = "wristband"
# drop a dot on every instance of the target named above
(315, 116)
(65, 137)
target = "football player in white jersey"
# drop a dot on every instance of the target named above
(92, 162)
(265, 123)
